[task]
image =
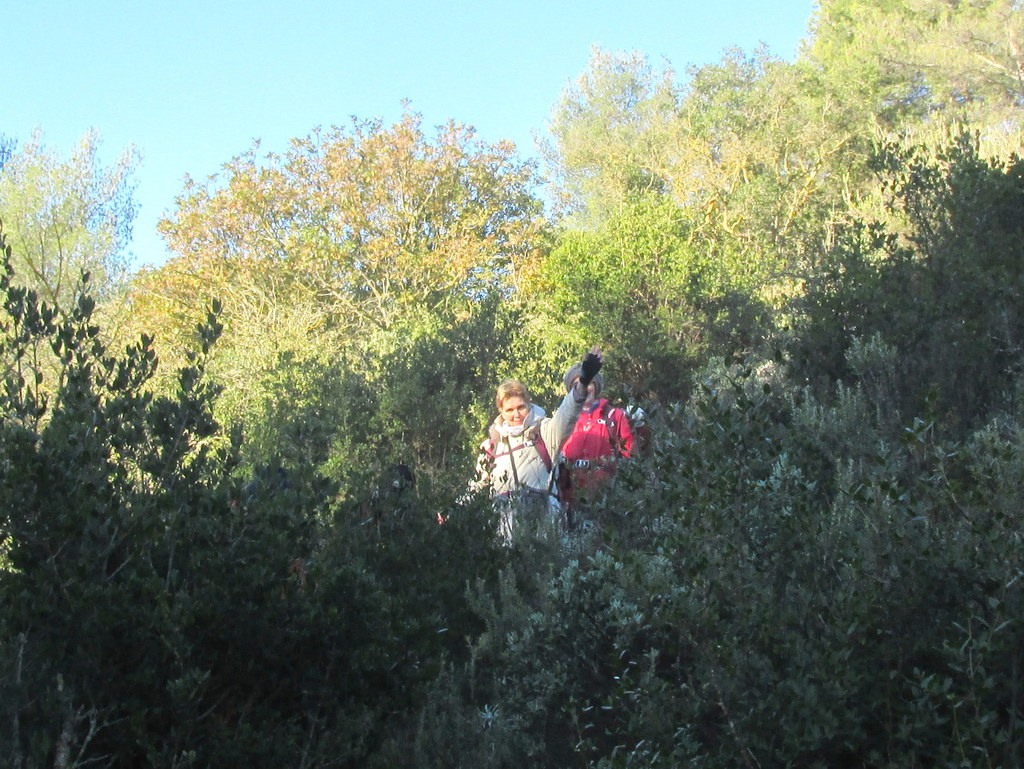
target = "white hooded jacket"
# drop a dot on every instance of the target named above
(511, 459)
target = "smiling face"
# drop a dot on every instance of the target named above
(514, 410)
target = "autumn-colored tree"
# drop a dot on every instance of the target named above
(359, 222)
(354, 244)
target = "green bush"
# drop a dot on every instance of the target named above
(749, 605)
(817, 564)
(161, 609)
(942, 283)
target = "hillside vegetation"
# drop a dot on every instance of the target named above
(809, 274)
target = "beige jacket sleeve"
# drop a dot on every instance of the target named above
(558, 427)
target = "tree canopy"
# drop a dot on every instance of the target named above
(68, 216)
(362, 222)
(245, 536)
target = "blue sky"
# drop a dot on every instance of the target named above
(193, 83)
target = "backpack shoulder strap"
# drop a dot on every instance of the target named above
(542, 450)
(605, 413)
(615, 417)
(538, 443)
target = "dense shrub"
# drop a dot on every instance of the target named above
(161, 609)
(816, 564)
(943, 283)
(735, 614)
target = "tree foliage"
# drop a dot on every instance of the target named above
(912, 60)
(809, 282)
(639, 285)
(67, 216)
(945, 289)
(364, 223)
(158, 610)
(741, 147)
(351, 254)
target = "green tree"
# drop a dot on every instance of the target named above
(943, 284)
(750, 155)
(901, 63)
(658, 302)
(611, 134)
(68, 216)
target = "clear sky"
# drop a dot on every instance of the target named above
(192, 83)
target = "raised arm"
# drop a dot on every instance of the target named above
(556, 429)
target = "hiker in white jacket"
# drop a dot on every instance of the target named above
(517, 457)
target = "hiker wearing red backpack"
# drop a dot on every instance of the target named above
(516, 458)
(601, 437)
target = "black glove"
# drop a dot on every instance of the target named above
(591, 365)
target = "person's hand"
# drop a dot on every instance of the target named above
(591, 365)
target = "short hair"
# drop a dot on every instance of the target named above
(576, 371)
(511, 388)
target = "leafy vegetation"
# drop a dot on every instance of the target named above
(236, 532)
